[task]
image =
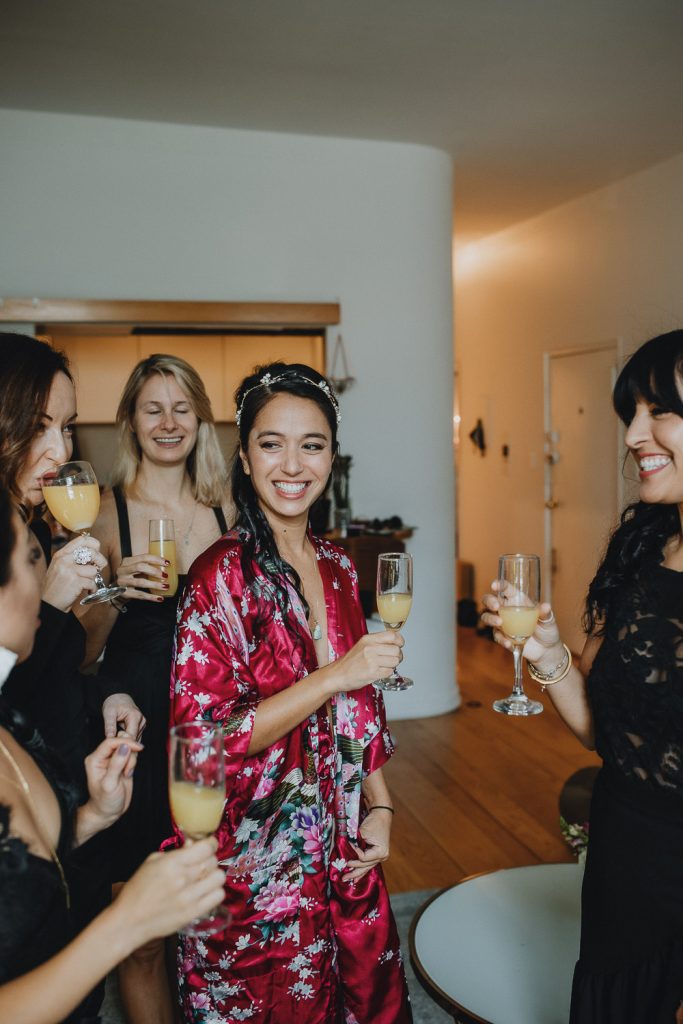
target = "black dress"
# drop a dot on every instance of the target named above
(62, 703)
(630, 969)
(65, 707)
(35, 923)
(139, 651)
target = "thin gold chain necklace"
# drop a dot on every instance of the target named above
(40, 828)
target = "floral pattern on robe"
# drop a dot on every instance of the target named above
(303, 945)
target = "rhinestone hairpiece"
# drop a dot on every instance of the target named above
(269, 379)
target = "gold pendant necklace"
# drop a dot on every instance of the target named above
(40, 828)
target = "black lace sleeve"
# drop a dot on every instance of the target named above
(636, 683)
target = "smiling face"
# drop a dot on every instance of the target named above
(164, 421)
(20, 597)
(53, 443)
(655, 439)
(289, 457)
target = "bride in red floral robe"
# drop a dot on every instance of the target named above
(271, 642)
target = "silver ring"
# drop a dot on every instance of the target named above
(546, 622)
(82, 555)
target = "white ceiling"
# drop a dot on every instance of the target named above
(538, 101)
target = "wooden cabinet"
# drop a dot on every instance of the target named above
(242, 352)
(363, 551)
(101, 364)
(204, 352)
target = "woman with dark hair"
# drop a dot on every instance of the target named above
(271, 643)
(46, 969)
(625, 699)
(37, 418)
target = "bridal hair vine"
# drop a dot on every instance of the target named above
(268, 379)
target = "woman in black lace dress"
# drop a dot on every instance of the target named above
(625, 699)
(45, 968)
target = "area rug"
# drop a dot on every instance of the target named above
(405, 904)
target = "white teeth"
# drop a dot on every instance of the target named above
(651, 462)
(290, 488)
(168, 440)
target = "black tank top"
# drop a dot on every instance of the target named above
(138, 658)
(124, 521)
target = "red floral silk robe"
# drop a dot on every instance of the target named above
(303, 946)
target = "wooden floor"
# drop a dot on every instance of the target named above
(475, 790)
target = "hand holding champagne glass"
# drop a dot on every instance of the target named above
(197, 796)
(394, 600)
(519, 594)
(73, 497)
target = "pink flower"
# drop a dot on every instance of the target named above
(313, 841)
(199, 1000)
(346, 719)
(265, 787)
(278, 900)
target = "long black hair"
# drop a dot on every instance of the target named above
(253, 394)
(653, 374)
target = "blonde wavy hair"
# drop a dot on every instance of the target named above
(205, 464)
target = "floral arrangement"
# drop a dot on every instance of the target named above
(576, 837)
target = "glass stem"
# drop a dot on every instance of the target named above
(518, 688)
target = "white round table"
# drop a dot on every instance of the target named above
(500, 947)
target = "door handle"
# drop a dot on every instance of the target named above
(551, 504)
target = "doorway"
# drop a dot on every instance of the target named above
(583, 489)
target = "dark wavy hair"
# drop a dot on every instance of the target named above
(27, 368)
(258, 541)
(8, 536)
(653, 374)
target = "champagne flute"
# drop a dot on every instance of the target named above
(73, 497)
(519, 593)
(162, 543)
(196, 783)
(394, 600)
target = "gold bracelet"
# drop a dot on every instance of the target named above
(551, 679)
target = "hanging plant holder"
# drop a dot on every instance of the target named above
(339, 375)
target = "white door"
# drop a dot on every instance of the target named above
(582, 485)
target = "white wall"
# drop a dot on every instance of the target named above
(602, 267)
(104, 208)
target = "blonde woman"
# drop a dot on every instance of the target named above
(169, 465)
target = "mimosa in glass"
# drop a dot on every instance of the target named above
(162, 543)
(394, 601)
(74, 506)
(73, 497)
(196, 787)
(519, 593)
